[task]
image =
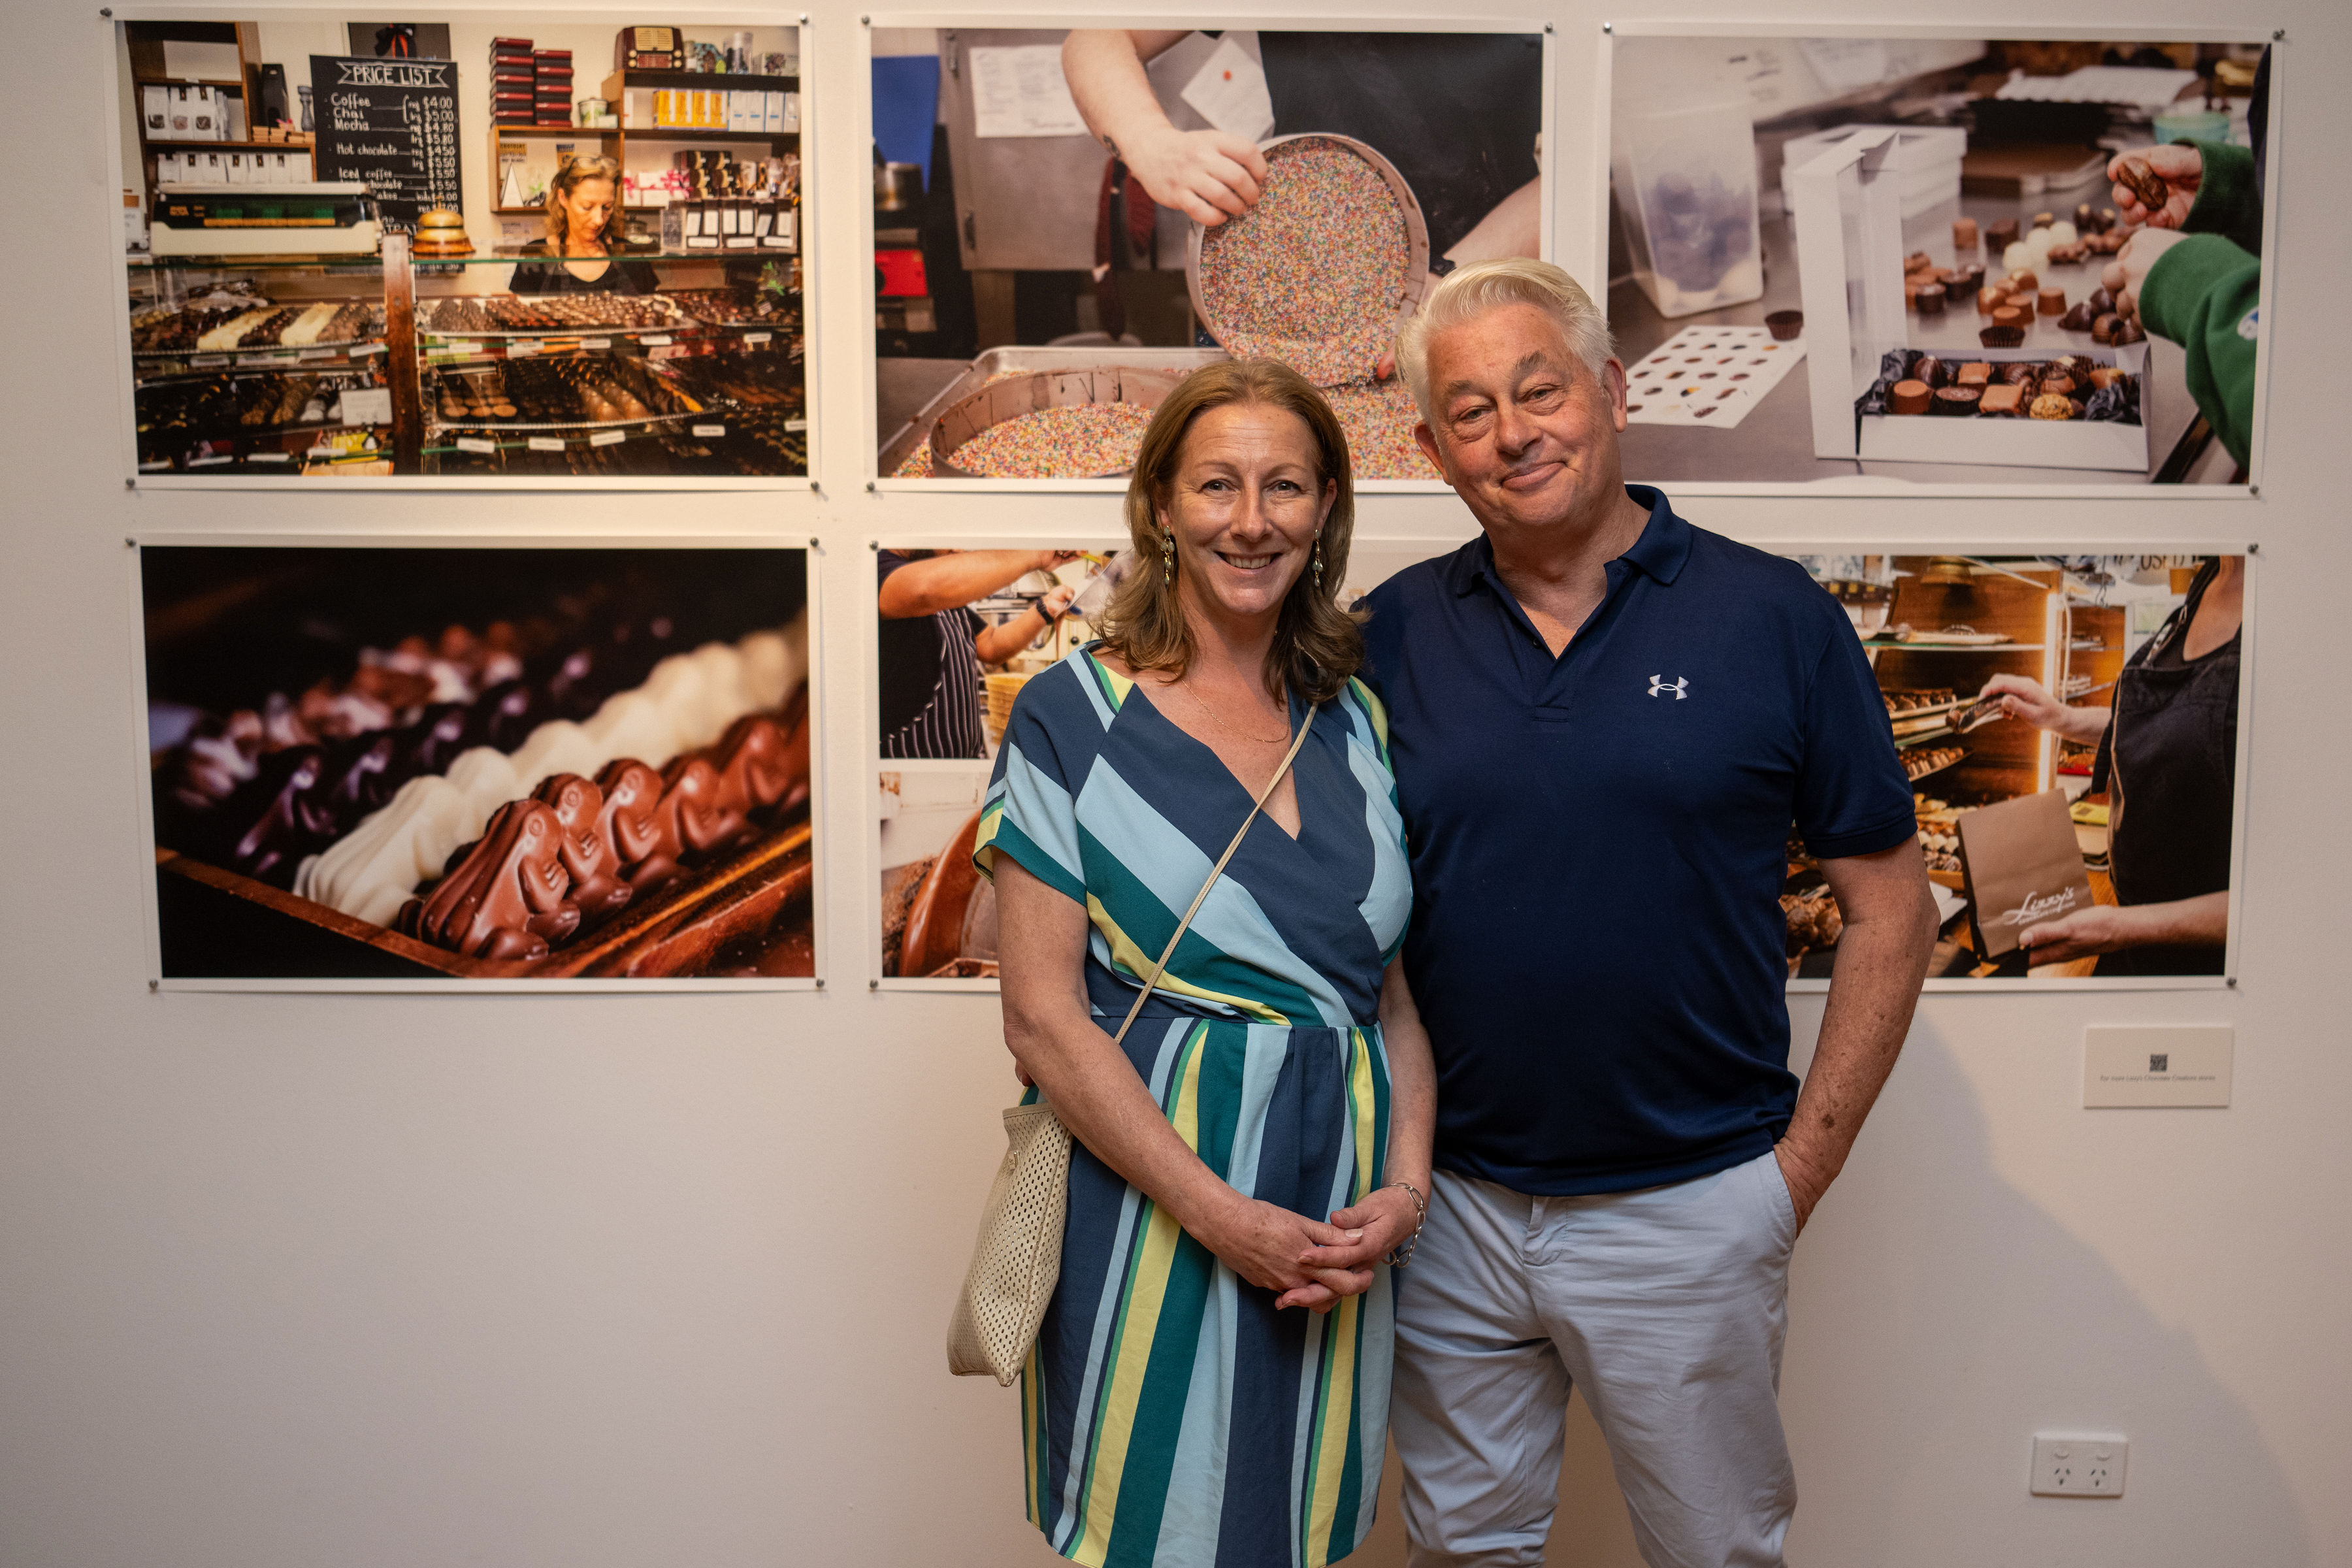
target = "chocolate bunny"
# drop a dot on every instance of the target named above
(292, 822)
(644, 840)
(755, 764)
(587, 855)
(694, 799)
(506, 899)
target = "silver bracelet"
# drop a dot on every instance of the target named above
(1402, 1253)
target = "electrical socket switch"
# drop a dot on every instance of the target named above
(2071, 1465)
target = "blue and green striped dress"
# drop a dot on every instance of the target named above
(1170, 1416)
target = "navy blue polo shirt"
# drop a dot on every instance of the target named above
(1597, 845)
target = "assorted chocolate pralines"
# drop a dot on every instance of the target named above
(1900, 701)
(739, 307)
(558, 392)
(2067, 386)
(1918, 761)
(1939, 831)
(251, 322)
(553, 867)
(499, 313)
(256, 790)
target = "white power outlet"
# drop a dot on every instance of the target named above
(2071, 1465)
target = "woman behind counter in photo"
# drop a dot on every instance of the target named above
(2169, 756)
(583, 229)
(1175, 1412)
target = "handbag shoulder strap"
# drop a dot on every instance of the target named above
(1215, 872)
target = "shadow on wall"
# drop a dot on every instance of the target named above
(1937, 1319)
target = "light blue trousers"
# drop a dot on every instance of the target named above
(1667, 1307)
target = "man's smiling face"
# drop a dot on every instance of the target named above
(1521, 429)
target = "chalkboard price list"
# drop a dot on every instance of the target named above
(391, 123)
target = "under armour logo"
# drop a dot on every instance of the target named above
(1679, 686)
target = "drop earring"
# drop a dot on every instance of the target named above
(1168, 555)
(1318, 564)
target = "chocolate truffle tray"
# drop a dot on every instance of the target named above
(508, 316)
(246, 328)
(597, 769)
(2061, 406)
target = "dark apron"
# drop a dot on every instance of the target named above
(2169, 758)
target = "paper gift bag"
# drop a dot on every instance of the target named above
(2022, 867)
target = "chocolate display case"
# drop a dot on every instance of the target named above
(705, 377)
(478, 764)
(262, 366)
(382, 365)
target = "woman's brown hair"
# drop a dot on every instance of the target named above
(571, 177)
(1316, 646)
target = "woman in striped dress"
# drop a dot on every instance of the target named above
(1210, 1388)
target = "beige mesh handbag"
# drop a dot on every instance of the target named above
(1018, 1258)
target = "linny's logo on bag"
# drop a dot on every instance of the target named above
(2038, 907)
(1679, 687)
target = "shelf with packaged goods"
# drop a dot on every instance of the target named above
(147, 49)
(702, 81)
(197, 143)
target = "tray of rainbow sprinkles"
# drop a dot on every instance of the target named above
(1319, 274)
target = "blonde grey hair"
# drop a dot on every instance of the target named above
(1483, 286)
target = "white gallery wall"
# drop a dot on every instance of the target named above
(373, 1280)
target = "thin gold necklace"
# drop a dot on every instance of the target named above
(1213, 718)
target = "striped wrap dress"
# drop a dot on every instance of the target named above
(1170, 1415)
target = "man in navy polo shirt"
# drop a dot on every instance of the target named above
(1604, 722)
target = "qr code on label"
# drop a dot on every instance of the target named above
(2159, 1061)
